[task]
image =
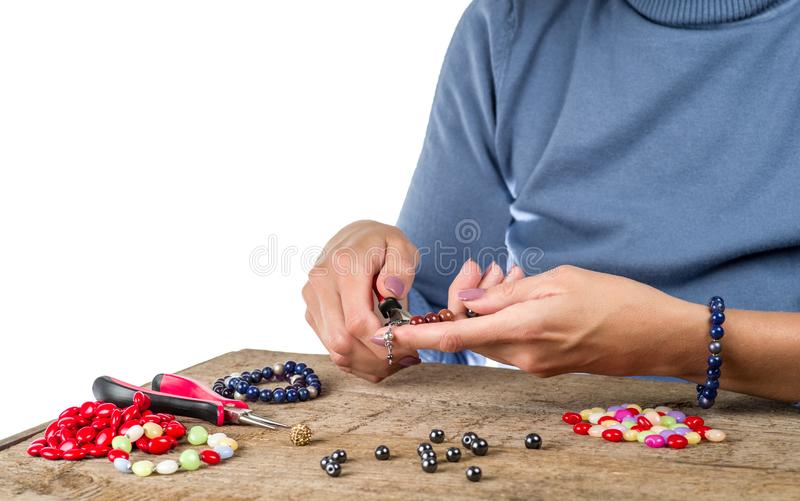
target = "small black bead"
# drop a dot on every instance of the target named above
(324, 462)
(339, 456)
(704, 403)
(474, 474)
(382, 453)
(480, 447)
(425, 446)
(437, 436)
(333, 469)
(227, 393)
(453, 454)
(428, 455)
(430, 465)
(468, 438)
(533, 441)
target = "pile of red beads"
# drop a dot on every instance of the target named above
(654, 427)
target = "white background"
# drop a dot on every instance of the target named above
(148, 148)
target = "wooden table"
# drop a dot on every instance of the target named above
(760, 459)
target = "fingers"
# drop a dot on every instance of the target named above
(493, 276)
(467, 278)
(399, 265)
(513, 290)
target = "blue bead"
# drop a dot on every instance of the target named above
(242, 387)
(308, 371)
(291, 395)
(710, 394)
(712, 383)
(252, 393)
(713, 373)
(303, 394)
(266, 373)
(317, 385)
(279, 395)
(311, 378)
(233, 383)
(716, 303)
(717, 318)
(714, 361)
(224, 451)
(717, 332)
(265, 395)
(705, 403)
(255, 376)
(288, 367)
(299, 368)
(699, 388)
(245, 376)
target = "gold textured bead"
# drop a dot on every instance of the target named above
(300, 434)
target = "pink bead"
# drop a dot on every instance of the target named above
(655, 441)
(622, 414)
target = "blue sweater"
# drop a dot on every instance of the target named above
(654, 139)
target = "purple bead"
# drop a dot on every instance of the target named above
(678, 415)
(615, 408)
(655, 441)
(619, 427)
(682, 431)
(667, 433)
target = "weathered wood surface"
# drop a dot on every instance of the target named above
(759, 460)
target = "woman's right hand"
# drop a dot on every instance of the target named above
(340, 304)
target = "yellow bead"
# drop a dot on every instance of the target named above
(598, 409)
(608, 423)
(229, 442)
(585, 414)
(630, 435)
(715, 435)
(143, 468)
(692, 437)
(643, 434)
(657, 429)
(653, 417)
(152, 430)
(645, 411)
(597, 431)
(663, 408)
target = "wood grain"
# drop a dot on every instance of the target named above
(758, 461)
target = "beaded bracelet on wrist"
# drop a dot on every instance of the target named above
(304, 384)
(707, 392)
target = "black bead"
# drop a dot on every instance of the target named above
(474, 474)
(437, 436)
(480, 447)
(453, 454)
(333, 469)
(430, 465)
(533, 441)
(339, 456)
(704, 403)
(227, 393)
(324, 462)
(425, 446)
(382, 453)
(468, 438)
(428, 455)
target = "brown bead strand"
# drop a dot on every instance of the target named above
(444, 315)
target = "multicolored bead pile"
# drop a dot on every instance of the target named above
(657, 427)
(304, 384)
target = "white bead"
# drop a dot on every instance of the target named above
(134, 433)
(653, 417)
(296, 378)
(663, 408)
(167, 467)
(239, 396)
(595, 417)
(236, 374)
(214, 438)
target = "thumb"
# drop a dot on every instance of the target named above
(398, 269)
(505, 294)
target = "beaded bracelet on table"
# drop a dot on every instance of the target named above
(304, 384)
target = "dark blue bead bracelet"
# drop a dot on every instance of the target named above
(707, 392)
(304, 384)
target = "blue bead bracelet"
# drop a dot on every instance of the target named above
(304, 384)
(707, 392)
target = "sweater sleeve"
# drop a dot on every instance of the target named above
(457, 206)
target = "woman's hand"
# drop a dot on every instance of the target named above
(340, 301)
(571, 320)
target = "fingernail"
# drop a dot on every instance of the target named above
(471, 294)
(409, 361)
(395, 286)
(377, 340)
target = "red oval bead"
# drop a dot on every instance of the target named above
(54, 441)
(702, 430)
(69, 411)
(116, 419)
(582, 428)
(74, 454)
(34, 449)
(82, 421)
(104, 410)
(142, 401)
(68, 445)
(571, 418)
(65, 434)
(151, 418)
(126, 425)
(143, 444)
(174, 442)
(85, 434)
(175, 430)
(67, 422)
(634, 411)
(644, 423)
(166, 417)
(51, 429)
(87, 409)
(416, 320)
(636, 428)
(97, 451)
(104, 437)
(130, 413)
(99, 424)
(159, 445)
(40, 441)
(612, 435)
(660, 413)
(605, 418)
(209, 457)
(693, 421)
(51, 453)
(677, 441)
(117, 453)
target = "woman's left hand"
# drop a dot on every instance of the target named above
(573, 320)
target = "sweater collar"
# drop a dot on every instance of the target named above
(700, 12)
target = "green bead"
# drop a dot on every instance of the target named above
(143, 468)
(122, 443)
(644, 434)
(190, 460)
(677, 425)
(628, 424)
(667, 421)
(197, 435)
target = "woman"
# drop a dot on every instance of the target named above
(634, 158)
